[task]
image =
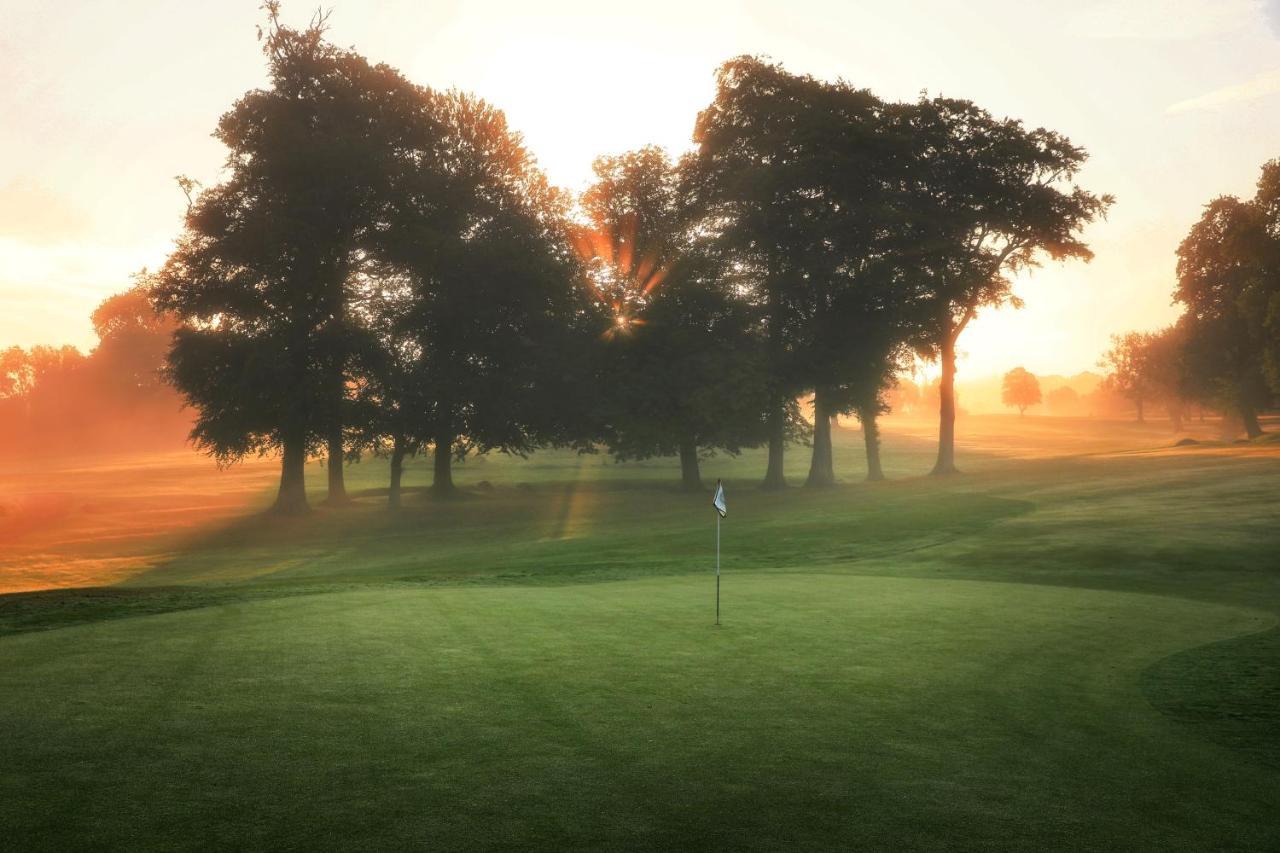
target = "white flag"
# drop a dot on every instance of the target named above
(718, 500)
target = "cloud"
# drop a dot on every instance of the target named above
(36, 215)
(1259, 87)
(1170, 19)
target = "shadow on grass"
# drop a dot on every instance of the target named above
(1226, 692)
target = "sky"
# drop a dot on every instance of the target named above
(104, 103)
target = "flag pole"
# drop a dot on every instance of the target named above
(717, 569)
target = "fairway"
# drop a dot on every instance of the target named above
(1059, 653)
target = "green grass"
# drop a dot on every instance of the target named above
(1048, 653)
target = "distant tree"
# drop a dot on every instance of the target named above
(903, 397)
(133, 341)
(1063, 400)
(1166, 368)
(684, 370)
(986, 198)
(1020, 389)
(1129, 369)
(16, 373)
(260, 278)
(50, 364)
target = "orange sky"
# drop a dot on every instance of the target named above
(104, 102)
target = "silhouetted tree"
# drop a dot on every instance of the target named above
(389, 399)
(799, 177)
(492, 326)
(1021, 389)
(684, 371)
(986, 198)
(260, 276)
(752, 208)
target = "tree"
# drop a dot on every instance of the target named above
(752, 210)
(985, 199)
(1227, 268)
(16, 374)
(1167, 371)
(389, 399)
(133, 341)
(260, 276)
(903, 397)
(1129, 370)
(488, 336)
(683, 367)
(1263, 300)
(1063, 400)
(798, 182)
(1020, 389)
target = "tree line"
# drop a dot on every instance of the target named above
(383, 268)
(1224, 350)
(59, 399)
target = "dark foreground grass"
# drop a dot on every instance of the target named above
(1045, 654)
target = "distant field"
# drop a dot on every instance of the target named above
(1072, 646)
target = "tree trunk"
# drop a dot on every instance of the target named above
(871, 437)
(398, 452)
(337, 487)
(946, 463)
(690, 476)
(774, 476)
(1175, 415)
(1249, 415)
(442, 482)
(292, 497)
(822, 470)
(1138, 403)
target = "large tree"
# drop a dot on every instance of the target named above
(799, 178)
(683, 369)
(261, 275)
(984, 199)
(1224, 274)
(490, 329)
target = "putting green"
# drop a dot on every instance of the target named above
(830, 711)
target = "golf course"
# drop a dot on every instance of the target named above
(1070, 646)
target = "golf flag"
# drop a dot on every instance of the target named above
(721, 511)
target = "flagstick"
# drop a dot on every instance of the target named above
(717, 569)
